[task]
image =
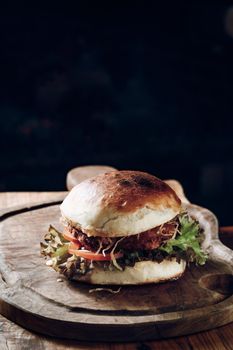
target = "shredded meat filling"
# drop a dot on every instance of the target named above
(147, 240)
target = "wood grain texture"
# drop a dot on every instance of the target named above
(14, 337)
(32, 296)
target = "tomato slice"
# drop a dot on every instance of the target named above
(87, 254)
(69, 237)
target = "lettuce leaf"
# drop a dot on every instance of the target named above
(187, 241)
(186, 245)
(55, 246)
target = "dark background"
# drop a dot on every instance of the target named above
(135, 87)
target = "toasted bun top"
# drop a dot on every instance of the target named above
(120, 203)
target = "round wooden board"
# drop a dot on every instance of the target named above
(32, 296)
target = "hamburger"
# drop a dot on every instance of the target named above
(123, 227)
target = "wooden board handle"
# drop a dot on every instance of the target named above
(81, 173)
(226, 230)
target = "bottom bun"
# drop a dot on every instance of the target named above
(141, 273)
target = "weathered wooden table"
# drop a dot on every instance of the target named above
(13, 337)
